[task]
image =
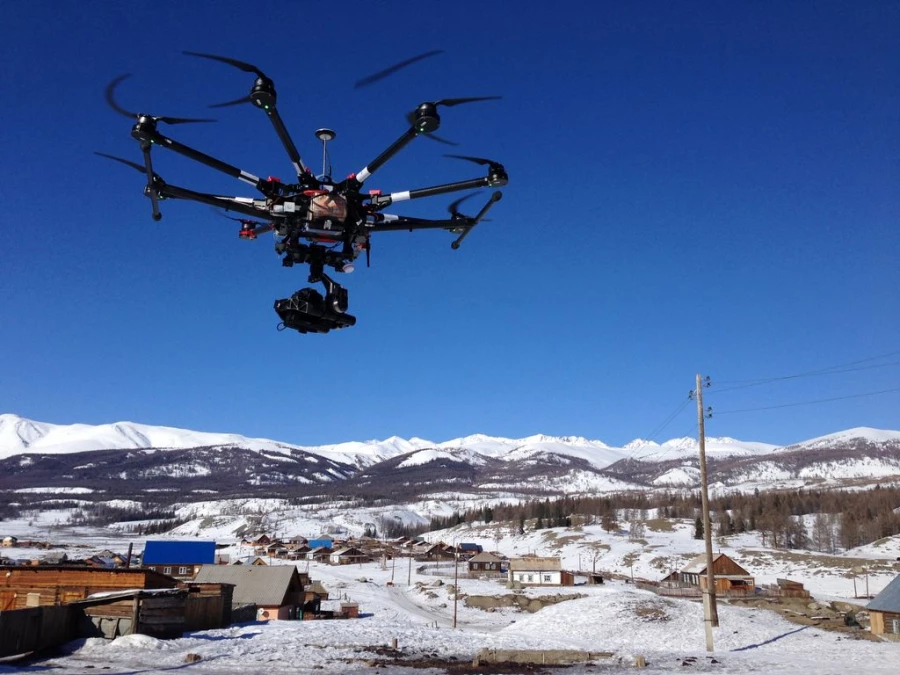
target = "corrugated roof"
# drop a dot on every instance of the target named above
(179, 552)
(263, 585)
(535, 565)
(485, 557)
(697, 564)
(888, 600)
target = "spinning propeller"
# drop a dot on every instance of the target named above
(111, 100)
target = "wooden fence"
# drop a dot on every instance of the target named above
(35, 628)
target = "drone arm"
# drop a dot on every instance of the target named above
(496, 177)
(243, 205)
(287, 142)
(496, 197)
(153, 181)
(385, 222)
(386, 200)
(147, 133)
(391, 223)
(393, 149)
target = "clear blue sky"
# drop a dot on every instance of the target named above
(693, 187)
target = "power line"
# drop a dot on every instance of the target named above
(668, 420)
(839, 368)
(821, 400)
(809, 374)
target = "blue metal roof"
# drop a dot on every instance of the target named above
(320, 543)
(179, 553)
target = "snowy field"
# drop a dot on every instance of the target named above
(417, 610)
(613, 617)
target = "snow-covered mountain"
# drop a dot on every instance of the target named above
(19, 435)
(36, 454)
(23, 436)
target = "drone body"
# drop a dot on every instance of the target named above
(319, 222)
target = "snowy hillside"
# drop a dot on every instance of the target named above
(22, 436)
(19, 435)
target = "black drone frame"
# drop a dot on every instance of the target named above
(336, 219)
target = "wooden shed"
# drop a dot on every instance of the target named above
(53, 585)
(728, 575)
(884, 611)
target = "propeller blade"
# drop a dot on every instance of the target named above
(453, 209)
(240, 65)
(111, 100)
(127, 162)
(237, 101)
(437, 138)
(381, 74)
(476, 160)
(449, 102)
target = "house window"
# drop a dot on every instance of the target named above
(167, 570)
(183, 570)
(547, 578)
(530, 577)
(895, 626)
(490, 566)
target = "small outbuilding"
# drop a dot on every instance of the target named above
(277, 591)
(884, 611)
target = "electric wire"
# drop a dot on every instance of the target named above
(830, 370)
(800, 403)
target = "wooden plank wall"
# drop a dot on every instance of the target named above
(36, 628)
(204, 612)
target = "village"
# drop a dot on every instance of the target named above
(174, 587)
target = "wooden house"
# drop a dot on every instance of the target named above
(319, 554)
(728, 575)
(278, 592)
(32, 586)
(535, 571)
(180, 559)
(884, 611)
(347, 556)
(438, 551)
(487, 564)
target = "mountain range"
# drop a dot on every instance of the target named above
(126, 458)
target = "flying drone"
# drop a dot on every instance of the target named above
(317, 221)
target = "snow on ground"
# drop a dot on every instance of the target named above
(613, 617)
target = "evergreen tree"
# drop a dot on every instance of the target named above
(698, 528)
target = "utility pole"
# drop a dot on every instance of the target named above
(710, 612)
(455, 581)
